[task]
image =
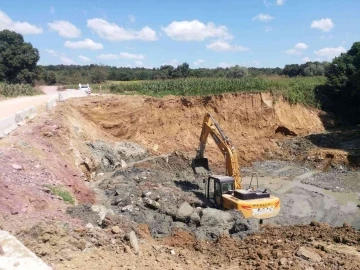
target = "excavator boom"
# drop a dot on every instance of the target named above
(200, 164)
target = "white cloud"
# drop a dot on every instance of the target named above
(131, 56)
(132, 18)
(330, 53)
(195, 31)
(52, 10)
(225, 65)
(52, 52)
(139, 63)
(306, 59)
(24, 28)
(293, 52)
(263, 17)
(108, 56)
(122, 55)
(297, 49)
(280, 2)
(84, 58)
(85, 44)
(323, 24)
(113, 32)
(268, 28)
(65, 29)
(62, 57)
(223, 46)
(66, 61)
(300, 46)
(198, 62)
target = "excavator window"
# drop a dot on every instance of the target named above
(226, 187)
(218, 193)
(210, 189)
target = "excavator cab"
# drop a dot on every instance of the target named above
(216, 186)
(200, 165)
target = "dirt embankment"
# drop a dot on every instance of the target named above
(251, 121)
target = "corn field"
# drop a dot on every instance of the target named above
(295, 90)
(14, 90)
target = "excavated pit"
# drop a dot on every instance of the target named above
(127, 162)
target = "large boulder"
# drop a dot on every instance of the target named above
(216, 218)
(184, 212)
(214, 223)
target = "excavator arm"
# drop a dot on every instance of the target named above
(210, 126)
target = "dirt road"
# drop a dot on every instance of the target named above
(11, 106)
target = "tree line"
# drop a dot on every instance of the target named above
(340, 95)
(70, 74)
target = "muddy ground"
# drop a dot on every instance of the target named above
(132, 177)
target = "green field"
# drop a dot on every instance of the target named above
(295, 90)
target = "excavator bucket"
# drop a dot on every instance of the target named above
(200, 165)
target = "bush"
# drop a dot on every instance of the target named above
(14, 90)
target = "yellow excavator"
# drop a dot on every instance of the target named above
(225, 191)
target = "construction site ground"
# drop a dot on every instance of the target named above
(138, 205)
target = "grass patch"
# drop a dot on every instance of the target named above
(14, 90)
(62, 193)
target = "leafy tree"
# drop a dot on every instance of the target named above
(18, 58)
(292, 70)
(182, 71)
(98, 74)
(50, 78)
(342, 92)
(237, 72)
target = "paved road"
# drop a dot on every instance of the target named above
(11, 106)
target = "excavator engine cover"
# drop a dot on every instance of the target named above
(200, 165)
(250, 194)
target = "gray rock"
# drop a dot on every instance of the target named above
(17, 167)
(110, 212)
(194, 217)
(123, 163)
(151, 203)
(216, 218)
(308, 255)
(184, 211)
(134, 242)
(128, 208)
(89, 226)
(101, 211)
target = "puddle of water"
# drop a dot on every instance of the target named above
(280, 185)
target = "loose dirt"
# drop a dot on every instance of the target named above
(125, 160)
(252, 121)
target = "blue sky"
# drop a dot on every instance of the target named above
(149, 33)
